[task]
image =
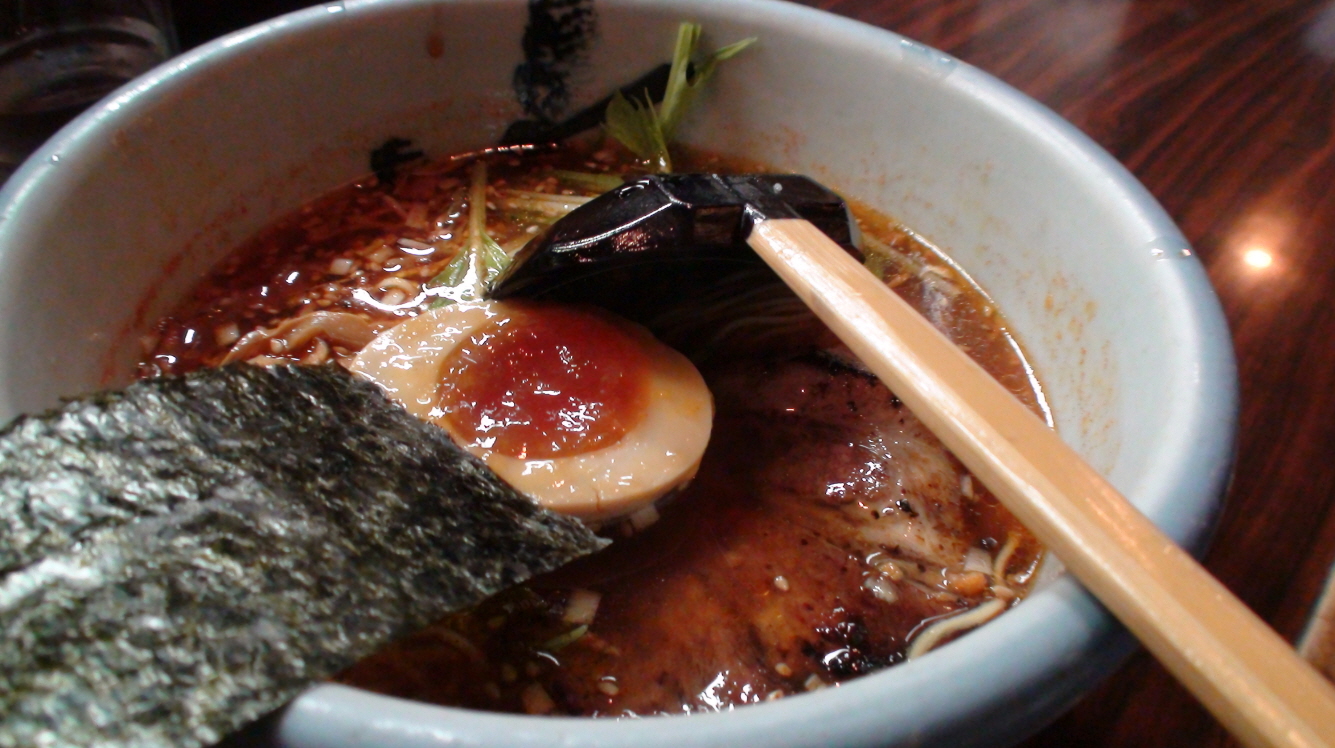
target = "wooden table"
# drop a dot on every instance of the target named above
(1226, 112)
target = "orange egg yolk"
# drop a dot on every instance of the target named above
(546, 381)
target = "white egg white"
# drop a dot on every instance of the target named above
(659, 453)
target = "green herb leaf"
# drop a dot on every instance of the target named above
(481, 259)
(454, 273)
(494, 259)
(647, 130)
(590, 180)
(683, 89)
(636, 126)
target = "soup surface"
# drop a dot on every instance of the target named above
(827, 534)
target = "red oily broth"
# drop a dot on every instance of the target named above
(826, 534)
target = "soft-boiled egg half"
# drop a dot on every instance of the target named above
(585, 412)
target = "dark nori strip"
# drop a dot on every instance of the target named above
(188, 554)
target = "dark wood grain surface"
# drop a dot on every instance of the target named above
(1224, 109)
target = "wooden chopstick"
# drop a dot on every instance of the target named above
(1239, 668)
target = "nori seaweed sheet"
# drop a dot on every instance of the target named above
(186, 555)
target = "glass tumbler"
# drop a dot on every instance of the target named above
(58, 57)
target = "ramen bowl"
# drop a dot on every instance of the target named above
(108, 226)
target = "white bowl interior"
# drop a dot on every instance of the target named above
(145, 193)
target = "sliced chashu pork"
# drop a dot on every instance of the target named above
(868, 455)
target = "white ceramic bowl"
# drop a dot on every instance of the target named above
(107, 227)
